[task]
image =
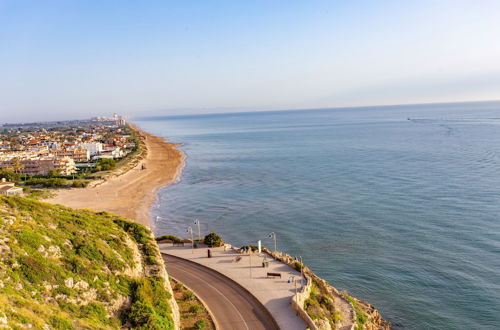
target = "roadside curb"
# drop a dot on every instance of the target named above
(271, 317)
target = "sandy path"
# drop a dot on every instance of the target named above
(131, 194)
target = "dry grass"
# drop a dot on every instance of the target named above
(191, 308)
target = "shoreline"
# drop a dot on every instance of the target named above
(133, 193)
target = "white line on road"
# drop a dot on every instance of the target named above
(236, 309)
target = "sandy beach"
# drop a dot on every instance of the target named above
(132, 193)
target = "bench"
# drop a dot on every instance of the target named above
(274, 275)
(178, 243)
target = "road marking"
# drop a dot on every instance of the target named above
(236, 309)
(212, 316)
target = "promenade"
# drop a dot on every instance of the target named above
(274, 293)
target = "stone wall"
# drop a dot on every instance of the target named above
(298, 299)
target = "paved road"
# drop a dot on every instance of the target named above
(231, 305)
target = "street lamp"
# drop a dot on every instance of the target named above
(190, 230)
(197, 222)
(273, 236)
(301, 268)
(301, 271)
(292, 279)
(250, 256)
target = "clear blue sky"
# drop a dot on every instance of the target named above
(73, 59)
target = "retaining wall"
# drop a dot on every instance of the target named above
(299, 298)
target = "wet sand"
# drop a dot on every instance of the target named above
(132, 193)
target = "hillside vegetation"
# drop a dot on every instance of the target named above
(72, 269)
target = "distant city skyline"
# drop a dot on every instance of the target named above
(65, 60)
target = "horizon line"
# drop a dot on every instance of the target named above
(139, 117)
(309, 109)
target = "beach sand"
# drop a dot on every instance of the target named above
(132, 193)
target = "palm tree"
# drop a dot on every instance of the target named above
(17, 165)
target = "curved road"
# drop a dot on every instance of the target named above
(231, 305)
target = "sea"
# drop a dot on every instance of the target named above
(397, 205)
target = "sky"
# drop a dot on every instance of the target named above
(76, 59)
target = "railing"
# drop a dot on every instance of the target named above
(299, 298)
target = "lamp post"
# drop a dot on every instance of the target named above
(290, 280)
(190, 230)
(197, 222)
(301, 271)
(273, 236)
(250, 256)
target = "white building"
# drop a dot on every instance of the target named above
(94, 148)
(9, 188)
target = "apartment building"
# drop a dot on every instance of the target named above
(78, 155)
(42, 165)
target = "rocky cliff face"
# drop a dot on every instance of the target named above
(65, 269)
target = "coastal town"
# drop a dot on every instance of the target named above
(32, 152)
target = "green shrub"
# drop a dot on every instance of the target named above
(361, 317)
(94, 311)
(314, 292)
(151, 302)
(53, 173)
(35, 270)
(89, 251)
(141, 313)
(310, 302)
(80, 183)
(172, 238)
(298, 266)
(48, 182)
(28, 238)
(213, 240)
(200, 324)
(151, 261)
(188, 295)
(10, 176)
(106, 164)
(337, 317)
(253, 248)
(60, 323)
(38, 193)
(195, 308)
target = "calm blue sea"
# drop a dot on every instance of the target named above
(399, 205)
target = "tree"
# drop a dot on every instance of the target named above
(106, 164)
(17, 165)
(9, 174)
(53, 173)
(213, 240)
(141, 313)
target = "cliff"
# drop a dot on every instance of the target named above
(64, 269)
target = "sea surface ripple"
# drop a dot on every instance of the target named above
(398, 205)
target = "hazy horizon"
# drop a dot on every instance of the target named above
(164, 114)
(81, 59)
